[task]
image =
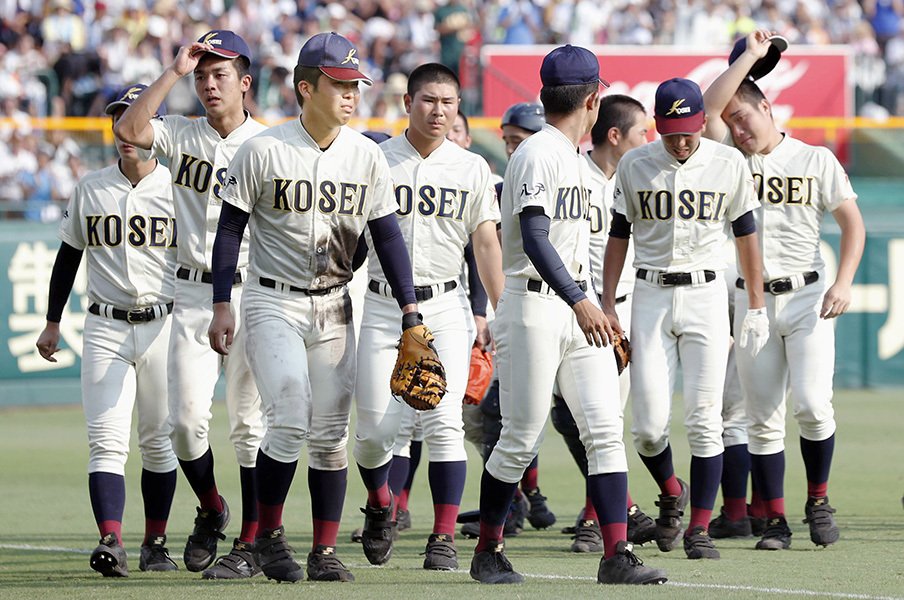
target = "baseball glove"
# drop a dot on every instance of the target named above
(418, 377)
(480, 377)
(622, 349)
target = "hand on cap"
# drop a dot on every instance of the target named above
(758, 42)
(189, 57)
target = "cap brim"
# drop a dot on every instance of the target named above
(111, 108)
(685, 126)
(780, 43)
(223, 53)
(341, 74)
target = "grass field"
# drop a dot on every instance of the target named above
(47, 530)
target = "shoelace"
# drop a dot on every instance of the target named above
(632, 558)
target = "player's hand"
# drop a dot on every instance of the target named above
(754, 330)
(593, 323)
(612, 315)
(188, 58)
(49, 341)
(222, 328)
(757, 42)
(484, 339)
(836, 301)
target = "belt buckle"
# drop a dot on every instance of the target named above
(139, 315)
(781, 286)
(660, 279)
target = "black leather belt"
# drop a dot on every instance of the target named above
(621, 299)
(422, 293)
(535, 285)
(136, 315)
(783, 285)
(271, 283)
(206, 276)
(676, 278)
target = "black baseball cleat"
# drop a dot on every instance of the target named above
(514, 520)
(492, 566)
(587, 537)
(274, 556)
(641, 526)
(471, 530)
(378, 534)
(823, 530)
(324, 565)
(109, 558)
(776, 536)
(403, 519)
(722, 527)
(440, 554)
(757, 524)
(155, 556)
(539, 515)
(698, 544)
(668, 524)
(240, 563)
(201, 547)
(624, 567)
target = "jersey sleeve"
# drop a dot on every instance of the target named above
(484, 207)
(71, 230)
(383, 200)
(744, 197)
(620, 193)
(837, 185)
(162, 146)
(530, 179)
(243, 185)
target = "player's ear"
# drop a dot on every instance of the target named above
(246, 83)
(407, 100)
(613, 135)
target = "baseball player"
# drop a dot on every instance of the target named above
(309, 186)
(680, 195)
(122, 218)
(796, 184)
(621, 125)
(198, 152)
(445, 197)
(554, 326)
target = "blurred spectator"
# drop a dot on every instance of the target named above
(455, 28)
(885, 17)
(522, 21)
(62, 28)
(38, 188)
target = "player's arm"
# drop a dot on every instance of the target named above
(134, 127)
(719, 94)
(542, 254)
(477, 296)
(224, 260)
(389, 244)
(853, 237)
(750, 261)
(62, 278)
(614, 264)
(360, 253)
(488, 256)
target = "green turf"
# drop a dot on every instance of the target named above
(45, 506)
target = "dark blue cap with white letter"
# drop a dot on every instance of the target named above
(679, 107)
(570, 65)
(227, 44)
(126, 96)
(335, 56)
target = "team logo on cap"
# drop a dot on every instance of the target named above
(351, 58)
(130, 94)
(677, 109)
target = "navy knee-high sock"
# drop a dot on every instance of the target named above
(609, 493)
(327, 490)
(705, 476)
(157, 491)
(735, 472)
(817, 462)
(200, 476)
(274, 478)
(248, 479)
(768, 472)
(107, 492)
(663, 471)
(495, 499)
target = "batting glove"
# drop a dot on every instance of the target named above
(755, 330)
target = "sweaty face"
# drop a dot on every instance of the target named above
(332, 102)
(218, 85)
(433, 109)
(750, 125)
(459, 133)
(513, 135)
(681, 145)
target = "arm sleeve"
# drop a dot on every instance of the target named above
(620, 227)
(62, 277)
(744, 225)
(477, 293)
(225, 258)
(535, 233)
(360, 253)
(390, 248)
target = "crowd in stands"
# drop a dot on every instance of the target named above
(67, 57)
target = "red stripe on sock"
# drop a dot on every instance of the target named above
(670, 487)
(249, 531)
(379, 497)
(489, 534)
(444, 516)
(210, 500)
(105, 527)
(735, 508)
(590, 510)
(529, 479)
(817, 490)
(402, 499)
(269, 515)
(757, 508)
(153, 528)
(700, 517)
(613, 533)
(325, 532)
(774, 508)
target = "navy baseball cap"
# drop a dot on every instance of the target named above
(679, 107)
(226, 43)
(126, 96)
(764, 65)
(335, 56)
(570, 65)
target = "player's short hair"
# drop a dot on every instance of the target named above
(565, 99)
(750, 92)
(464, 119)
(616, 110)
(242, 66)
(309, 74)
(431, 73)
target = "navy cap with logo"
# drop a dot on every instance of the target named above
(570, 65)
(679, 107)
(226, 43)
(126, 96)
(335, 56)
(763, 66)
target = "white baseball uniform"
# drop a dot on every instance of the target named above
(541, 329)
(308, 208)
(442, 199)
(797, 185)
(198, 158)
(681, 215)
(129, 236)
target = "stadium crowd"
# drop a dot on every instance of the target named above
(67, 57)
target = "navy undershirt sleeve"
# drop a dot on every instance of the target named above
(390, 247)
(535, 235)
(477, 293)
(620, 227)
(62, 278)
(744, 225)
(360, 253)
(225, 258)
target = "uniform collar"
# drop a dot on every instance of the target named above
(596, 168)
